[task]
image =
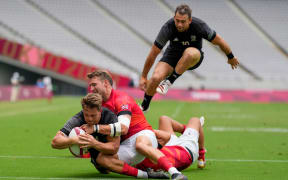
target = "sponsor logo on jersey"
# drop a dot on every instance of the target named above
(124, 107)
(176, 39)
(193, 38)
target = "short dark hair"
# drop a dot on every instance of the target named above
(183, 9)
(92, 100)
(102, 74)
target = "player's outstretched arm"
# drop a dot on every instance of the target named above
(61, 141)
(147, 66)
(232, 60)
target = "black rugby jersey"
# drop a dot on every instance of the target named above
(107, 117)
(192, 37)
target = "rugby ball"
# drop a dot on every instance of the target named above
(75, 149)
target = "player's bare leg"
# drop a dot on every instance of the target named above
(170, 125)
(162, 70)
(195, 123)
(191, 56)
(144, 147)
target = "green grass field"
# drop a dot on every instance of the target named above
(244, 140)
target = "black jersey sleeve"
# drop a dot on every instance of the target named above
(164, 35)
(205, 31)
(76, 121)
(107, 117)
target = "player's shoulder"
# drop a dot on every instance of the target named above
(121, 96)
(107, 116)
(169, 25)
(79, 116)
(197, 22)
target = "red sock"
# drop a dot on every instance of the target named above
(129, 170)
(183, 129)
(164, 163)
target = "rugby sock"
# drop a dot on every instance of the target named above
(165, 164)
(173, 76)
(142, 174)
(146, 101)
(129, 170)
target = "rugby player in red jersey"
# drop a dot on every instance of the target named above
(137, 137)
(181, 151)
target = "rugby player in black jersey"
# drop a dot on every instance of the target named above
(98, 144)
(185, 34)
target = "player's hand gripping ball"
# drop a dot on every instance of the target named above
(75, 149)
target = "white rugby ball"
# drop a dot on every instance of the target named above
(75, 149)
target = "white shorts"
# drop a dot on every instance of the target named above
(189, 140)
(127, 150)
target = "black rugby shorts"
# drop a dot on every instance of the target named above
(172, 57)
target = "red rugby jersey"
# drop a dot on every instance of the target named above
(121, 103)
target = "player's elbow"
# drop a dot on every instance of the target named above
(55, 144)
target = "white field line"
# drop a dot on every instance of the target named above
(218, 160)
(177, 110)
(248, 160)
(36, 157)
(226, 115)
(37, 110)
(52, 178)
(236, 129)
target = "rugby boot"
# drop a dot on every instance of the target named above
(163, 87)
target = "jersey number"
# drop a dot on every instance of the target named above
(185, 43)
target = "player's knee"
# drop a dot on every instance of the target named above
(140, 147)
(163, 119)
(156, 78)
(142, 143)
(194, 121)
(192, 53)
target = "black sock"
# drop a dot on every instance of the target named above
(146, 102)
(173, 77)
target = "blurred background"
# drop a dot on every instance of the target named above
(48, 46)
(63, 40)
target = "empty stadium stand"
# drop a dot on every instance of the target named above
(117, 35)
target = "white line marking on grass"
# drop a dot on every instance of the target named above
(52, 178)
(219, 160)
(37, 157)
(269, 130)
(248, 160)
(177, 110)
(37, 110)
(232, 116)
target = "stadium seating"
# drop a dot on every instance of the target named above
(271, 16)
(117, 35)
(49, 35)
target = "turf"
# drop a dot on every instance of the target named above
(27, 128)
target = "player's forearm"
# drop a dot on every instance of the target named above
(61, 142)
(147, 66)
(225, 48)
(150, 60)
(107, 148)
(106, 130)
(223, 45)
